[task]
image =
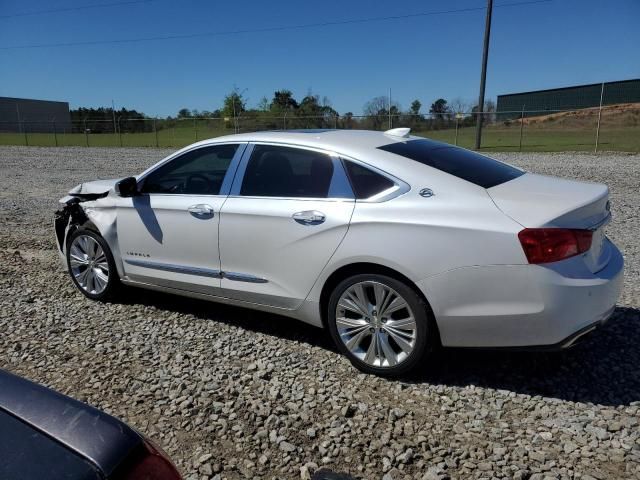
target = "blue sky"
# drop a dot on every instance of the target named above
(559, 43)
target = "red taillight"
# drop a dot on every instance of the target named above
(544, 245)
(150, 463)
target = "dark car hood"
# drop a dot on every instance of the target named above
(101, 438)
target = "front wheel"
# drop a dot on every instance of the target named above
(380, 324)
(91, 265)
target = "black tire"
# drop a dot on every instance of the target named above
(425, 332)
(112, 288)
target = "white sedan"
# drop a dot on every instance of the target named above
(394, 243)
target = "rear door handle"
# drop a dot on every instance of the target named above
(309, 217)
(201, 210)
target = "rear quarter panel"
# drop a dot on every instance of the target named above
(420, 237)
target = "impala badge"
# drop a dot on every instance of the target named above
(426, 193)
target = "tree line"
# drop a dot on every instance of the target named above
(106, 120)
(312, 111)
(283, 110)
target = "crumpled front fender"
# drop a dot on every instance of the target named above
(96, 214)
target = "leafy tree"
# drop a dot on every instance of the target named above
(184, 113)
(415, 107)
(315, 114)
(234, 104)
(439, 108)
(347, 120)
(283, 101)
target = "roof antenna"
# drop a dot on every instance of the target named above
(399, 132)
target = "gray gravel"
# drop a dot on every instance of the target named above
(232, 393)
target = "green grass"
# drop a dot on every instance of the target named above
(170, 137)
(625, 139)
(495, 138)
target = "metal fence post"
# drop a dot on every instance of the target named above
(26, 139)
(335, 121)
(284, 122)
(521, 127)
(86, 133)
(195, 128)
(119, 131)
(155, 131)
(55, 133)
(595, 150)
(456, 140)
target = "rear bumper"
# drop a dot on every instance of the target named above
(524, 306)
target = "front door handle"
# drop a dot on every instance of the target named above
(309, 217)
(201, 210)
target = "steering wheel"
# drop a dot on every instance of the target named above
(198, 176)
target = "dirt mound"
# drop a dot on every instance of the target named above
(623, 114)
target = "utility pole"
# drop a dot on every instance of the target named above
(483, 75)
(599, 116)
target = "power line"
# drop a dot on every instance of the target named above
(266, 29)
(73, 9)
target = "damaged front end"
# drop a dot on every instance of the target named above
(89, 205)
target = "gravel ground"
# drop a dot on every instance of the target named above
(232, 393)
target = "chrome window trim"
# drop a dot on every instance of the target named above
(400, 186)
(338, 167)
(228, 177)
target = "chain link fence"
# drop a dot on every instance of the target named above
(612, 128)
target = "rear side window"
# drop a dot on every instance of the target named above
(467, 165)
(365, 182)
(275, 171)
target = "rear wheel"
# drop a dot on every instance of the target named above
(91, 265)
(379, 323)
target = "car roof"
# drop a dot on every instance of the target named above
(346, 142)
(361, 145)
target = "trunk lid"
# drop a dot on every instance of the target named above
(537, 201)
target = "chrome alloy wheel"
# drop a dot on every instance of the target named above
(89, 264)
(376, 324)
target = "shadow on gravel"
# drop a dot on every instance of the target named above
(603, 369)
(253, 320)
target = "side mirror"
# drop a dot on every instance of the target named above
(127, 187)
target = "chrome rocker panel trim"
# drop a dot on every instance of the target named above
(200, 271)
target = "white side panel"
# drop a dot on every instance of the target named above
(259, 238)
(158, 230)
(420, 236)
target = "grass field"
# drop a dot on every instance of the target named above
(550, 135)
(543, 140)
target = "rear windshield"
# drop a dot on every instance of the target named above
(467, 165)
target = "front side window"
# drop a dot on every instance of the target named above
(197, 172)
(275, 171)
